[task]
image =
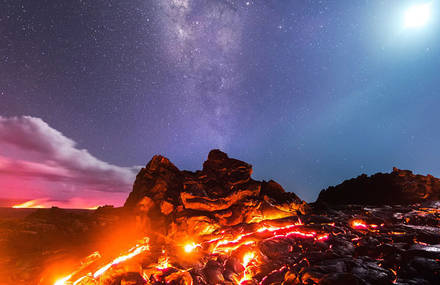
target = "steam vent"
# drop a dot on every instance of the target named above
(220, 226)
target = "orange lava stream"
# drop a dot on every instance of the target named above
(362, 225)
(190, 247)
(247, 259)
(224, 244)
(358, 224)
(141, 247)
(132, 252)
(46, 203)
(163, 262)
(30, 204)
(63, 280)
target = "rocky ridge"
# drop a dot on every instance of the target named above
(221, 194)
(397, 187)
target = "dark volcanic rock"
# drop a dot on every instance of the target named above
(221, 194)
(219, 226)
(397, 187)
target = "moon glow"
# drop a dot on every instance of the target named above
(417, 16)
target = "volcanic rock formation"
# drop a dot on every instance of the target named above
(397, 187)
(221, 194)
(219, 226)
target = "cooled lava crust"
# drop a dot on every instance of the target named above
(219, 226)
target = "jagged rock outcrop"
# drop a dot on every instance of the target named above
(397, 187)
(221, 194)
(219, 226)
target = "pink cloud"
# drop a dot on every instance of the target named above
(37, 162)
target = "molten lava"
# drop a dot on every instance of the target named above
(190, 247)
(163, 262)
(247, 259)
(30, 204)
(48, 203)
(226, 244)
(139, 248)
(220, 226)
(168, 261)
(362, 225)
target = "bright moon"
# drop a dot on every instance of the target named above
(418, 15)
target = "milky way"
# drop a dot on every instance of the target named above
(202, 40)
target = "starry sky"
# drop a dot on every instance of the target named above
(309, 92)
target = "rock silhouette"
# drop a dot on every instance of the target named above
(397, 187)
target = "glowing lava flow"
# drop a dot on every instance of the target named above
(247, 259)
(273, 229)
(359, 224)
(190, 247)
(63, 281)
(141, 247)
(362, 225)
(224, 244)
(36, 204)
(132, 252)
(46, 203)
(163, 262)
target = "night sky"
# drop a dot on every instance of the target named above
(309, 92)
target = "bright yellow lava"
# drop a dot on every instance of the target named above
(189, 247)
(63, 281)
(29, 204)
(247, 258)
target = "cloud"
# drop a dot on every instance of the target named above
(38, 161)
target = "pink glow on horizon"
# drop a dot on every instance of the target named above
(74, 203)
(38, 162)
